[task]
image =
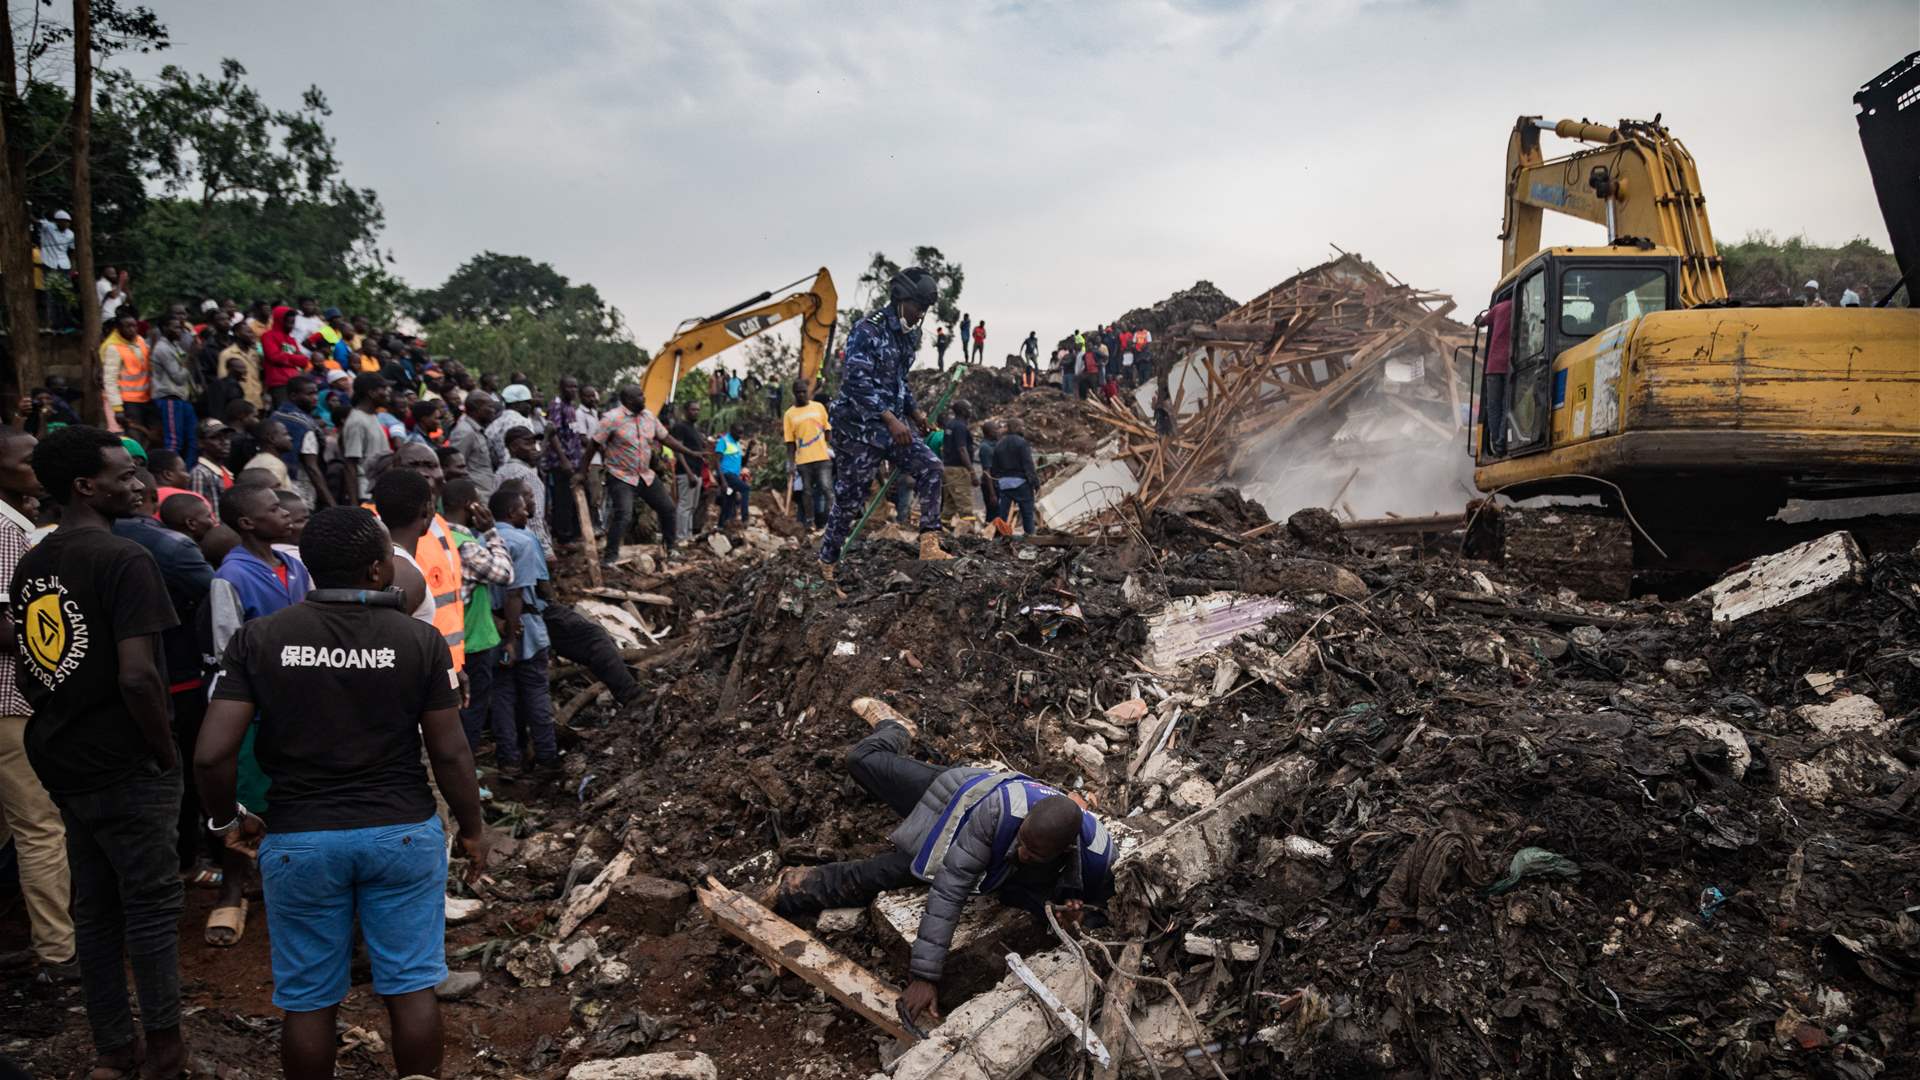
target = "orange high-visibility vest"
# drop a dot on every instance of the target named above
(135, 386)
(439, 561)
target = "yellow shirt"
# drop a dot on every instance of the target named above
(806, 427)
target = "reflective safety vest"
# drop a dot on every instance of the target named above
(439, 561)
(135, 384)
(1017, 794)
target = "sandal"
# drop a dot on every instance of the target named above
(233, 919)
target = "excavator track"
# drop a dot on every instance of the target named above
(1601, 555)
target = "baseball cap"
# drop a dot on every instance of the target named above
(213, 427)
(516, 393)
(62, 215)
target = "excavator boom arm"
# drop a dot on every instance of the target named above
(1636, 179)
(817, 307)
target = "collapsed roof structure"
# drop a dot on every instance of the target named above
(1341, 386)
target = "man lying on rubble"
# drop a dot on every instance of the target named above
(966, 830)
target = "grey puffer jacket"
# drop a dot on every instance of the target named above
(967, 860)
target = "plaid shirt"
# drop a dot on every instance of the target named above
(13, 545)
(626, 441)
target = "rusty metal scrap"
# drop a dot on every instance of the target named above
(1296, 351)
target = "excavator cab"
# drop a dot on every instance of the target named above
(1562, 298)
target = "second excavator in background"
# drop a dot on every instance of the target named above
(698, 340)
(1630, 374)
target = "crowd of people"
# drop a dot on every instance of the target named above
(1104, 362)
(285, 507)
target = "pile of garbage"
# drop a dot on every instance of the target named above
(1380, 815)
(1203, 302)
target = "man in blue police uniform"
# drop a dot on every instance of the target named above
(874, 415)
(967, 830)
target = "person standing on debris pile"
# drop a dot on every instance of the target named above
(1030, 350)
(805, 429)
(966, 336)
(625, 442)
(990, 433)
(872, 414)
(520, 691)
(1143, 354)
(980, 341)
(1014, 478)
(1064, 361)
(484, 564)
(1493, 395)
(967, 830)
(960, 469)
(942, 337)
(352, 833)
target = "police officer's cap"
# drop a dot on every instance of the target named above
(914, 284)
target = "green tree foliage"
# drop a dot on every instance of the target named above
(1765, 269)
(119, 196)
(254, 204)
(880, 271)
(506, 312)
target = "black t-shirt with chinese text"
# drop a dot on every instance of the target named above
(74, 598)
(340, 689)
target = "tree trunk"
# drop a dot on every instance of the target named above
(92, 407)
(16, 245)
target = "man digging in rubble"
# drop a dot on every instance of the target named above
(871, 417)
(966, 830)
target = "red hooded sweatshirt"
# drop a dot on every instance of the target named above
(284, 358)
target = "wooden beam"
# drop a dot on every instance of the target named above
(653, 598)
(586, 534)
(785, 945)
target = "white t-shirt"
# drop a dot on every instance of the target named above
(305, 326)
(56, 245)
(427, 607)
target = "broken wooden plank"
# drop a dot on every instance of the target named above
(1066, 1017)
(1114, 1009)
(585, 519)
(585, 900)
(653, 598)
(786, 945)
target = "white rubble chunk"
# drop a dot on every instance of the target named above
(1244, 952)
(1738, 755)
(841, 920)
(1831, 562)
(1193, 793)
(1851, 713)
(1003, 1031)
(675, 1065)
(1192, 626)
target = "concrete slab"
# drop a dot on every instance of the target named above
(1831, 562)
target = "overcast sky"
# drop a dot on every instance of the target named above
(1077, 159)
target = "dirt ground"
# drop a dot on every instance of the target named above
(1721, 870)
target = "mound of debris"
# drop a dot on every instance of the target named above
(1380, 816)
(1204, 302)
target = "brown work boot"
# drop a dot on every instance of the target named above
(930, 548)
(876, 712)
(826, 570)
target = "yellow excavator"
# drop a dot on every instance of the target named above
(1633, 376)
(698, 340)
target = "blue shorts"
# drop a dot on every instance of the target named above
(394, 877)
